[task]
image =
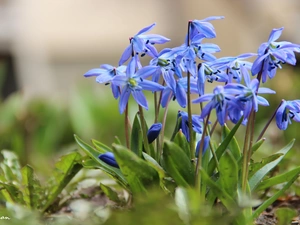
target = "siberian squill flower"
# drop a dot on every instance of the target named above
(142, 43)
(184, 126)
(247, 95)
(288, 110)
(219, 100)
(176, 89)
(204, 27)
(232, 65)
(134, 82)
(153, 132)
(165, 62)
(271, 54)
(109, 158)
(210, 74)
(105, 73)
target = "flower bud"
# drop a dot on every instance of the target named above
(205, 146)
(153, 132)
(109, 159)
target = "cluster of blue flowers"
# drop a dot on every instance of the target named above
(239, 80)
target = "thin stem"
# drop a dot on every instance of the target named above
(213, 128)
(162, 132)
(189, 106)
(267, 124)
(144, 130)
(126, 121)
(156, 107)
(199, 160)
(245, 155)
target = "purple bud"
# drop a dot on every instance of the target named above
(205, 146)
(153, 132)
(109, 158)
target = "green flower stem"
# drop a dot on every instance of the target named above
(126, 121)
(162, 132)
(248, 142)
(189, 106)
(267, 124)
(199, 160)
(156, 107)
(144, 129)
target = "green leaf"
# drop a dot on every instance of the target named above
(229, 173)
(136, 143)
(260, 174)
(284, 177)
(257, 145)
(272, 199)
(226, 198)
(285, 215)
(12, 193)
(139, 174)
(178, 165)
(233, 144)
(254, 167)
(33, 193)
(155, 165)
(102, 148)
(110, 170)
(181, 141)
(11, 166)
(65, 169)
(110, 193)
(221, 149)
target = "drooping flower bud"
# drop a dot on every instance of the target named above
(205, 146)
(109, 158)
(153, 132)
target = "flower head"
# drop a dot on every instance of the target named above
(134, 82)
(184, 126)
(271, 54)
(109, 158)
(205, 146)
(142, 43)
(105, 74)
(288, 110)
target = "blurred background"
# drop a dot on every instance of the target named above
(46, 47)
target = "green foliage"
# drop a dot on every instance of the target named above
(20, 186)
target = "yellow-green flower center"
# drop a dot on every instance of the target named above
(132, 82)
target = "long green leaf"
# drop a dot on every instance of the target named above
(102, 148)
(139, 174)
(110, 193)
(136, 143)
(33, 193)
(178, 165)
(112, 171)
(229, 173)
(65, 169)
(181, 141)
(220, 150)
(272, 199)
(260, 174)
(233, 145)
(281, 178)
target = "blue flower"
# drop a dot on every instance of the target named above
(288, 110)
(204, 27)
(134, 82)
(153, 132)
(142, 43)
(271, 54)
(233, 65)
(205, 146)
(247, 95)
(176, 89)
(184, 126)
(219, 100)
(109, 158)
(105, 74)
(206, 72)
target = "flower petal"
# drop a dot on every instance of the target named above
(124, 99)
(140, 98)
(146, 29)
